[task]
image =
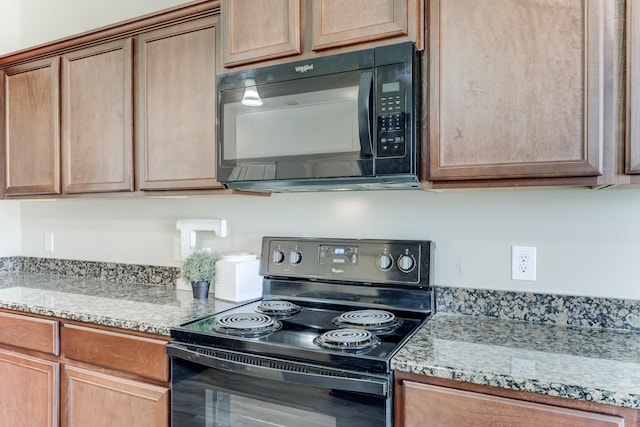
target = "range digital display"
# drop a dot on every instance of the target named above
(333, 254)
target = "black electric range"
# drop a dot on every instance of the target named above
(381, 288)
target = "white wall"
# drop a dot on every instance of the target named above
(46, 20)
(9, 211)
(588, 241)
(9, 26)
(9, 228)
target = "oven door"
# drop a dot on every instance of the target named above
(223, 388)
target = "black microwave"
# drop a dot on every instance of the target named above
(346, 121)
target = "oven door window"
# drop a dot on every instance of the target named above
(208, 397)
(313, 127)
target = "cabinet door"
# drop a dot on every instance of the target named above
(97, 123)
(253, 31)
(176, 116)
(339, 23)
(427, 405)
(28, 391)
(30, 128)
(633, 88)
(95, 399)
(517, 88)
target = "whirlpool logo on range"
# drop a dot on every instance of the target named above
(303, 68)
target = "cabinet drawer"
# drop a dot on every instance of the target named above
(427, 405)
(126, 353)
(30, 332)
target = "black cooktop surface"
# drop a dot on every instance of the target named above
(296, 336)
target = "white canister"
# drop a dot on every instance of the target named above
(237, 277)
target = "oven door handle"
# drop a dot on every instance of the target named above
(354, 383)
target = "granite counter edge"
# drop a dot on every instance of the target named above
(89, 319)
(555, 389)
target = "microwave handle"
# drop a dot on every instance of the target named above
(364, 113)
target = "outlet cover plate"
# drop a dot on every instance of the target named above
(523, 263)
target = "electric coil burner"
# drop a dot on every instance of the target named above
(375, 321)
(317, 349)
(247, 324)
(278, 309)
(347, 339)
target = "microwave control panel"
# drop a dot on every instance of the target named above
(391, 111)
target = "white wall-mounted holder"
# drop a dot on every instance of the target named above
(188, 232)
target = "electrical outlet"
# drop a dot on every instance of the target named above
(523, 263)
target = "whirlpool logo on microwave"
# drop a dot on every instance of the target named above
(303, 68)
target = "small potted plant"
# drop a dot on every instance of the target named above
(199, 269)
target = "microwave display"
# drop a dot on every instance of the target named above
(390, 87)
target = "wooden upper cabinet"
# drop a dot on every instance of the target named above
(97, 118)
(259, 30)
(176, 101)
(633, 89)
(30, 126)
(517, 88)
(340, 22)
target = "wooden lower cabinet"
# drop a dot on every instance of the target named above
(30, 333)
(28, 390)
(95, 399)
(425, 402)
(117, 351)
(55, 373)
(113, 378)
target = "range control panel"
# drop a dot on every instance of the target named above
(352, 260)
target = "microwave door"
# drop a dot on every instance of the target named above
(315, 127)
(356, 166)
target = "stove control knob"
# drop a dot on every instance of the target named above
(406, 263)
(295, 258)
(278, 256)
(384, 262)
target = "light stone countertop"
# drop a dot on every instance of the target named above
(591, 364)
(152, 309)
(585, 363)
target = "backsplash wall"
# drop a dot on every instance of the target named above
(588, 241)
(9, 228)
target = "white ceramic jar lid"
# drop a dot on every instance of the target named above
(238, 256)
